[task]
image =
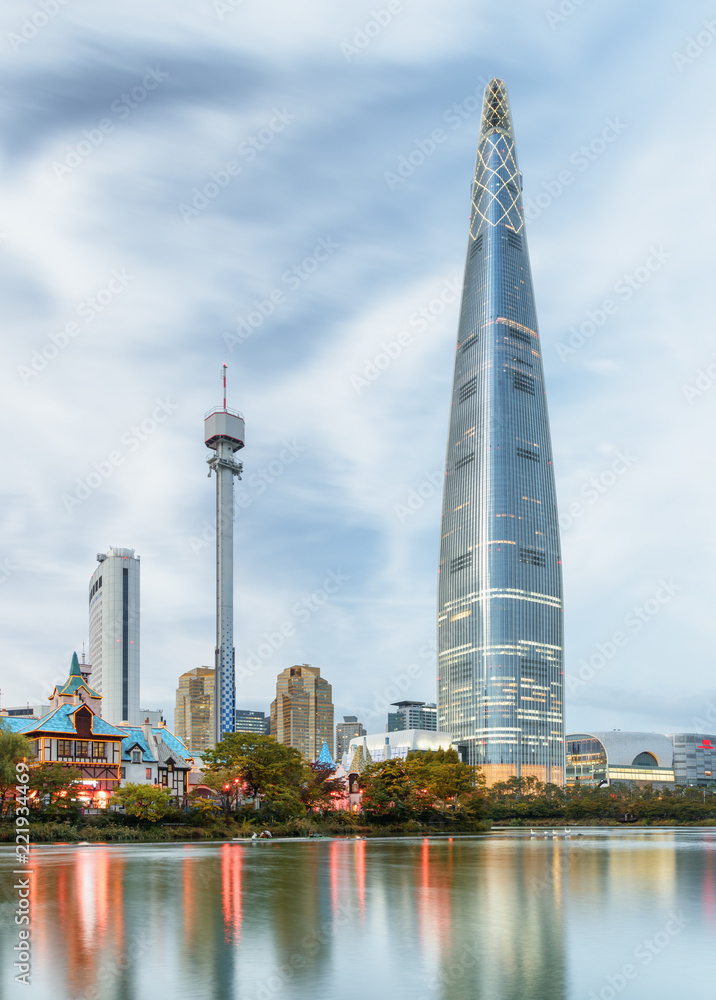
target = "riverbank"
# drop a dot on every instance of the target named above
(112, 828)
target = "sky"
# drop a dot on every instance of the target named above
(283, 188)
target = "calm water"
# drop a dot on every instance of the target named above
(499, 917)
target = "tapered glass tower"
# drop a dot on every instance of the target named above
(500, 667)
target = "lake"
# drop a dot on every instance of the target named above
(504, 916)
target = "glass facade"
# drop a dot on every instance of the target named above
(500, 666)
(694, 759)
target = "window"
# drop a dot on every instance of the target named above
(524, 453)
(82, 748)
(476, 246)
(518, 334)
(461, 562)
(149, 773)
(465, 461)
(467, 389)
(64, 748)
(123, 772)
(98, 750)
(514, 239)
(165, 780)
(533, 557)
(136, 756)
(524, 383)
(467, 344)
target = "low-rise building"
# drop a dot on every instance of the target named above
(397, 745)
(153, 755)
(74, 733)
(596, 759)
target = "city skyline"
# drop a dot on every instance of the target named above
(499, 615)
(365, 279)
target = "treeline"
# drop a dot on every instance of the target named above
(256, 781)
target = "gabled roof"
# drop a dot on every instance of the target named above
(170, 746)
(167, 755)
(61, 721)
(135, 739)
(76, 681)
(172, 741)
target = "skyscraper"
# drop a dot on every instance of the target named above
(302, 711)
(194, 711)
(114, 634)
(248, 721)
(345, 732)
(500, 667)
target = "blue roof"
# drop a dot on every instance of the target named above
(61, 720)
(172, 741)
(135, 737)
(16, 723)
(324, 757)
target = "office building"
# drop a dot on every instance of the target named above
(694, 759)
(302, 712)
(345, 732)
(500, 667)
(252, 722)
(412, 715)
(114, 634)
(194, 709)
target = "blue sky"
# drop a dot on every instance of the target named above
(296, 266)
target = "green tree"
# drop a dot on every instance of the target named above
(441, 776)
(259, 762)
(51, 779)
(388, 790)
(14, 747)
(143, 801)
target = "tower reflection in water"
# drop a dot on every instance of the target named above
(433, 919)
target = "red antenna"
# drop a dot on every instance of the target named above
(223, 371)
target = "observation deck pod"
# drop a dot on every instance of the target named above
(223, 424)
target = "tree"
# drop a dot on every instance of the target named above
(258, 761)
(388, 789)
(143, 801)
(51, 779)
(320, 787)
(441, 776)
(14, 747)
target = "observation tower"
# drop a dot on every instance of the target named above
(224, 434)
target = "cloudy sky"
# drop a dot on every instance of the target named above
(282, 187)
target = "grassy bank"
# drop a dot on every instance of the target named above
(113, 828)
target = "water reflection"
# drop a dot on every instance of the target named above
(432, 919)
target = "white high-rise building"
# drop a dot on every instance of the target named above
(114, 634)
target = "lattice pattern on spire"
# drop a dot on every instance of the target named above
(496, 108)
(496, 189)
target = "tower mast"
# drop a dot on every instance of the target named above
(224, 434)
